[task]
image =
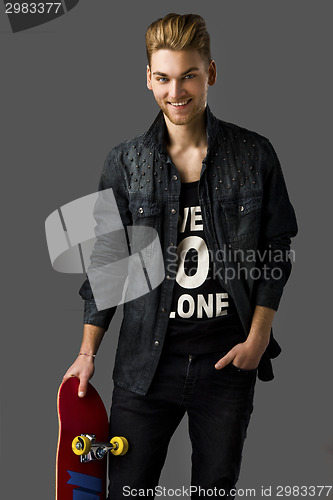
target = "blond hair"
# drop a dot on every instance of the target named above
(179, 32)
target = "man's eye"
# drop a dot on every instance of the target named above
(161, 79)
(189, 76)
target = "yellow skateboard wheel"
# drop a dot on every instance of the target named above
(81, 445)
(121, 445)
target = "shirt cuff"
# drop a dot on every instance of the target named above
(92, 316)
(267, 296)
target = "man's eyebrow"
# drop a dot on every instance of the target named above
(194, 68)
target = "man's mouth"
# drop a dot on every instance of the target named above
(179, 104)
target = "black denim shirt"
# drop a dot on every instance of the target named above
(245, 209)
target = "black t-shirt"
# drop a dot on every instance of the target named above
(203, 316)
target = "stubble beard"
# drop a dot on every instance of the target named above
(187, 118)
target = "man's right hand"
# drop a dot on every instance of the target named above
(83, 368)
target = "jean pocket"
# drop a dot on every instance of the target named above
(241, 370)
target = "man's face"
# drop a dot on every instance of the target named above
(179, 81)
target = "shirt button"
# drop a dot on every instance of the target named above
(168, 277)
(141, 210)
(156, 343)
(175, 177)
(163, 309)
(173, 210)
(241, 208)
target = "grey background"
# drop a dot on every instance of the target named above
(70, 91)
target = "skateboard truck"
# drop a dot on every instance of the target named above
(89, 449)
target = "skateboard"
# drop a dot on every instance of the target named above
(83, 443)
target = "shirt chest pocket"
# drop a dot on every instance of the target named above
(146, 211)
(146, 230)
(241, 218)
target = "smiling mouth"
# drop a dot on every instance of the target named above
(179, 104)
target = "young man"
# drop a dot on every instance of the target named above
(215, 194)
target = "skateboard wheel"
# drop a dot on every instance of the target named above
(121, 445)
(81, 445)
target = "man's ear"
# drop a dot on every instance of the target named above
(212, 73)
(149, 78)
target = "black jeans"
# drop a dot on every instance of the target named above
(218, 403)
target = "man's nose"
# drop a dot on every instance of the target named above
(176, 89)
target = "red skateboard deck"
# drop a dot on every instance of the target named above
(76, 480)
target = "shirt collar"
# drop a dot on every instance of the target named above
(155, 137)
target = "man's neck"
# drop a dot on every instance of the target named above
(183, 137)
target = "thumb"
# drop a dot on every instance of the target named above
(83, 387)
